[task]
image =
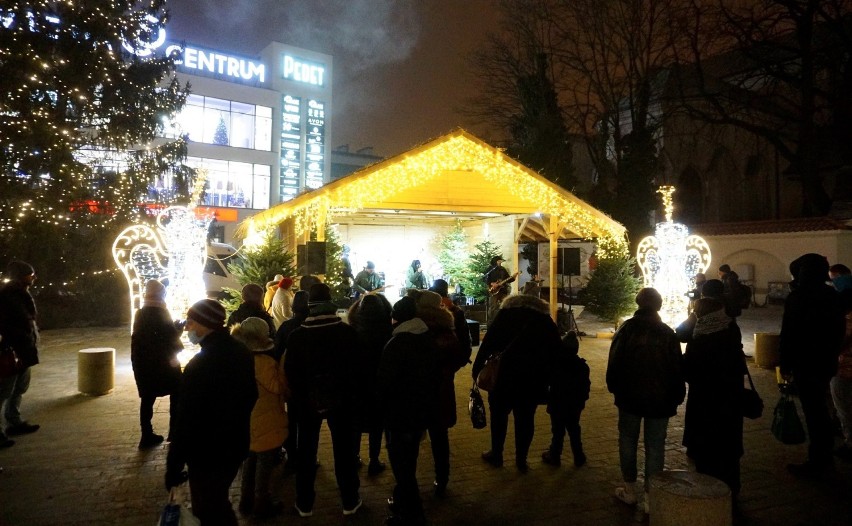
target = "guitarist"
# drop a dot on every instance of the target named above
(367, 280)
(497, 278)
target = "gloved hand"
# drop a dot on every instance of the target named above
(175, 478)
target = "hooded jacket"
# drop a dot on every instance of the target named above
(408, 378)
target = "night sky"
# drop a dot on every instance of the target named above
(400, 69)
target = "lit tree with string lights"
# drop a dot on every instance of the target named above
(79, 113)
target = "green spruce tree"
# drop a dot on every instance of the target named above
(611, 289)
(259, 265)
(472, 281)
(453, 254)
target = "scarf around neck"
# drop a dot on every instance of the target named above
(713, 322)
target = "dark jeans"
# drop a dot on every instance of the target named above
(560, 422)
(208, 489)
(812, 394)
(440, 439)
(146, 412)
(524, 412)
(403, 449)
(655, 430)
(343, 435)
(374, 443)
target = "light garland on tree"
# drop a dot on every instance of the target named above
(670, 259)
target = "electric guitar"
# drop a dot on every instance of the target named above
(496, 286)
(380, 289)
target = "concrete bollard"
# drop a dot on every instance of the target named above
(686, 498)
(766, 349)
(96, 370)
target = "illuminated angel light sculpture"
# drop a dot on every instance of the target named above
(174, 253)
(670, 259)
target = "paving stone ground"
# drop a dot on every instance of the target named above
(83, 467)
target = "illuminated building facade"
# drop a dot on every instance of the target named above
(260, 126)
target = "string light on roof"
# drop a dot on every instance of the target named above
(456, 153)
(670, 259)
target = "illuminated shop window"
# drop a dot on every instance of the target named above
(210, 120)
(234, 184)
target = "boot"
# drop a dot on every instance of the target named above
(579, 455)
(627, 493)
(265, 508)
(150, 440)
(549, 458)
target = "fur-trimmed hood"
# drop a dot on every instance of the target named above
(527, 302)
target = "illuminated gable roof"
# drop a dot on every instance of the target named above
(456, 174)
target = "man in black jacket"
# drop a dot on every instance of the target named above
(408, 385)
(18, 330)
(644, 373)
(812, 331)
(319, 361)
(218, 393)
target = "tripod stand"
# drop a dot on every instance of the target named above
(572, 321)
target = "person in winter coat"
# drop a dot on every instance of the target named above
(812, 331)
(319, 364)
(371, 318)
(714, 365)
(645, 374)
(252, 307)
(300, 313)
(452, 356)
(408, 382)
(442, 288)
(212, 432)
(19, 330)
(271, 289)
(154, 346)
(569, 390)
(268, 420)
(841, 384)
(527, 338)
(282, 302)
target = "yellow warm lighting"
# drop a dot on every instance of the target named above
(456, 152)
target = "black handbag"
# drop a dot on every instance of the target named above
(476, 408)
(751, 403)
(786, 424)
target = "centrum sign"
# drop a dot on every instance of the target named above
(194, 58)
(217, 63)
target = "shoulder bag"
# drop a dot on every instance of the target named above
(487, 377)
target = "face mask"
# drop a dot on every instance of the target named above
(194, 338)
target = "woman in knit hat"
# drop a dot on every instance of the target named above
(154, 345)
(268, 420)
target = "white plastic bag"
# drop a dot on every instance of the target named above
(175, 513)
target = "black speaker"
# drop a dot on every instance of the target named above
(568, 261)
(301, 260)
(316, 257)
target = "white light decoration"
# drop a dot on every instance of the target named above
(670, 259)
(174, 253)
